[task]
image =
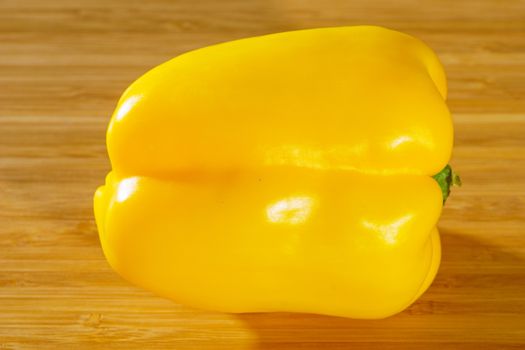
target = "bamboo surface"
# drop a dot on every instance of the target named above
(63, 65)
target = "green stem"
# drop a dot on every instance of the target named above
(447, 178)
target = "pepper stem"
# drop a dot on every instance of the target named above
(447, 178)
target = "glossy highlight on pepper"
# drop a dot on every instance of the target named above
(287, 172)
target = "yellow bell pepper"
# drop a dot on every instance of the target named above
(287, 172)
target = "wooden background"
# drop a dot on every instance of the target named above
(63, 64)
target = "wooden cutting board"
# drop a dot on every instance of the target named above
(63, 65)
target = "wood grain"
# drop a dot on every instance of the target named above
(63, 64)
